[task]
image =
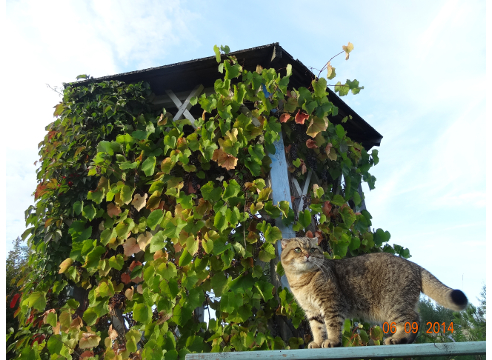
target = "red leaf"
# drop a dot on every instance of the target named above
(125, 278)
(14, 300)
(327, 208)
(301, 117)
(284, 117)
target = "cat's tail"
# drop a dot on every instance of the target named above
(445, 296)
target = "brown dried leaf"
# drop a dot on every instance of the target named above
(86, 354)
(311, 144)
(140, 289)
(113, 334)
(76, 323)
(113, 210)
(224, 159)
(131, 247)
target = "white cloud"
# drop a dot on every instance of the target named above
(53, 42)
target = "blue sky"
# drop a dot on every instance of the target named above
(422, 65)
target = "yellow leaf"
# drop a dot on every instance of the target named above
(144, 240)
(129, 294)
(348, 49)
(89, 341)
(330, 71)
(65, 265)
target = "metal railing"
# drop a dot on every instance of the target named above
(358, 352)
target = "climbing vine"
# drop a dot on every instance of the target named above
(140, 220)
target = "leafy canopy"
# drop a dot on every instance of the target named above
(139, 220)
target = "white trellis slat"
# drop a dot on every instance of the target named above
(304, 190)
(184, 107)
(357, 352)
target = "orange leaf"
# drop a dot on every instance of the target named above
(40, 191)
(309, 234)
(134, 264)
(301, 117)
(284, 117)
(177, 247)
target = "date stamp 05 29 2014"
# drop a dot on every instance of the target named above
(414, 327)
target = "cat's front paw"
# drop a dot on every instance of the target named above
(313, 345)
(330, 344)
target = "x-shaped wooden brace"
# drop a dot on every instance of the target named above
(304, 191)
(184, 107)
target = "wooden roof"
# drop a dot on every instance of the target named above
(185, 75)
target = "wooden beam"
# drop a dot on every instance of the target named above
(356, 352)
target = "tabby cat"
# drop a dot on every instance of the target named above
(376, 287)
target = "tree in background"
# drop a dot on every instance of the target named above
(467, 325)
(16, 269)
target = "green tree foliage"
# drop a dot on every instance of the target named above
(139, 219)
(468, 325)
(16, 270)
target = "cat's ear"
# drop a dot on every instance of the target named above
(285, 242)
(314, 241)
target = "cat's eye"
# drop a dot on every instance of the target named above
(297, 250)
(313, 250)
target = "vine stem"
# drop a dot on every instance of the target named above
(324, 67)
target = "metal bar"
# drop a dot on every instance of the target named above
(358, 352)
